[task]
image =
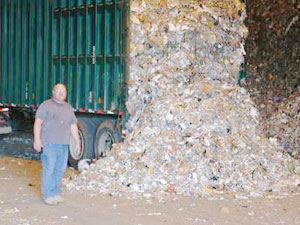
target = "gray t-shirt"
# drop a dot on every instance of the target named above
(57, 119)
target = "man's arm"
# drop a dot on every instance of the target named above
(37, 130)
(75, 135)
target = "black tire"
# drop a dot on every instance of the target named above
(86, 139)
(106, 135)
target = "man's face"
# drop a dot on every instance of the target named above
(59, 92)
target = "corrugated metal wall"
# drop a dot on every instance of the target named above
(81, 43)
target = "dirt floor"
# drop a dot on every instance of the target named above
(20, 203)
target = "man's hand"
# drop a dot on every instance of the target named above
(37, 128)
(38, 145)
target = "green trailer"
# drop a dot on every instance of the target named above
(80, 43)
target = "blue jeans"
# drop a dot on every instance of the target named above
(54, 163)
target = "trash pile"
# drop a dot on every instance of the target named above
(273, 51)
(174, 41)
(284, 124)
(192, 130)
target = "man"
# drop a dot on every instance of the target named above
(55, 122)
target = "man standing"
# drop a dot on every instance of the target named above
(55, 122)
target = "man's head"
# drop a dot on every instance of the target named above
(59, 92)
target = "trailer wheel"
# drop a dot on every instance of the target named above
(106, 136)
(85, 140)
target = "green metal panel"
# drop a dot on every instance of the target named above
(60, 38)
(71, 52)
(79, 55)
(68, 56)
(31, 40)
(107, 31)
(55, 43)
(18, 47)
(96, 60)
(116, 54)
(52, 46)
(24, 58)
(87, 51)
(11, 26)
(81, 43)
(63, 44)
(4, 48)
(123, 56)
(38, 53)
(45, 49)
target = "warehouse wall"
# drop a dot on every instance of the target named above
(273, 50)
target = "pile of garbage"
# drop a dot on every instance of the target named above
(192, 130)
(173, 41)
(273, 51)
(284, 124)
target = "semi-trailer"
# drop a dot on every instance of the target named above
(79, 43)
